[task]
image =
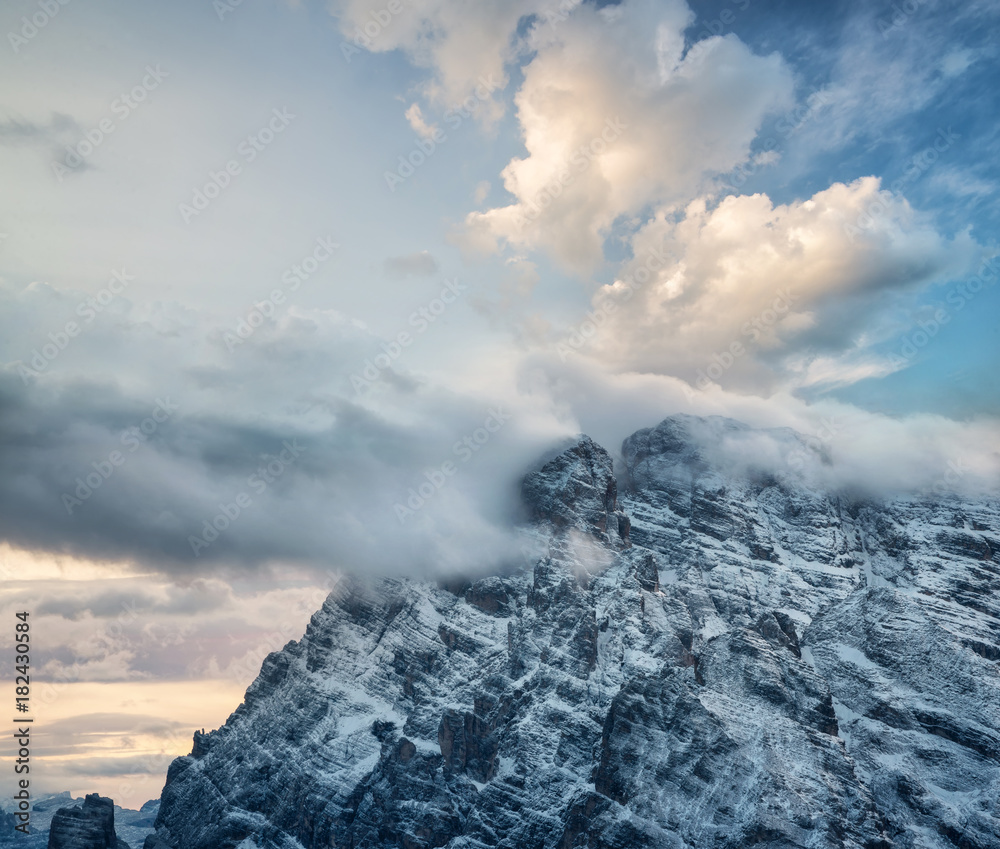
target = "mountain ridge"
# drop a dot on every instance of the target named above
(705, 658)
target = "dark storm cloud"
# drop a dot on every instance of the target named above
(164, 481)
(173, 481)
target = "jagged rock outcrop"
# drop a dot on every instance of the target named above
(577, 489)
(131, 826)
(717, 657)
(87, 826)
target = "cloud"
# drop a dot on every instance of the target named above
(957, 62)
(756, 295)
(128, 628)
(54, 136)
(462, 43)
(843, 448)
(420, 264)
(514, 291)
(659, 119)
(109, 723)
(84, 600)
(616, 116)
(103, 605)
(277, 457)
(288, 478)
(113, 766)
(417, 122)
(887, 67)
(59, 128)
(962, 182)
(95, 734)
(481, 191)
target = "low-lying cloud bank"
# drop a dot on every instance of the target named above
(194, 456)
(842, 447)
(186, 453)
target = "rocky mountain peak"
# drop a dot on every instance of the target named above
(577, 489)
(751, 663)
(683, 445)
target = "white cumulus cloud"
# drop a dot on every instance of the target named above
(615, 117)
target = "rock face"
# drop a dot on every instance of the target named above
(578, 490)
(130, 826)
(713, 659)
(87, 826)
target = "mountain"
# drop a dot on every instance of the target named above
(49, 814)
(87, 826)
(716, 656)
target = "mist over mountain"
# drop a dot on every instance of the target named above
(701, 655)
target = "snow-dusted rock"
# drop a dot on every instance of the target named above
(713, 658)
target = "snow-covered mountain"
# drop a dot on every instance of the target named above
(702, 657)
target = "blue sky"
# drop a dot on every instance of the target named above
(774, 211)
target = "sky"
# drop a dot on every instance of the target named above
(295, 289)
